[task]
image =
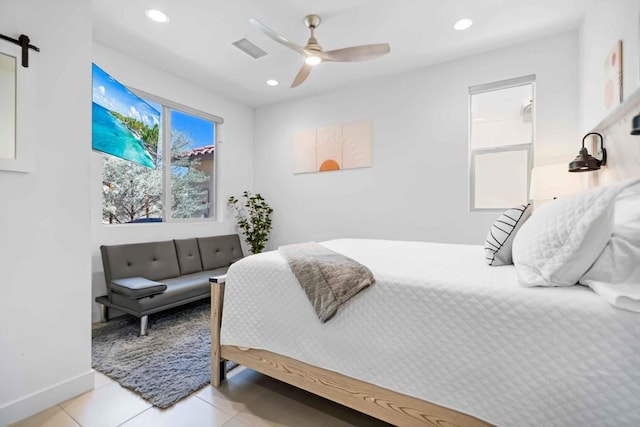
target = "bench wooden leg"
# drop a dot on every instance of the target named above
(144, 321)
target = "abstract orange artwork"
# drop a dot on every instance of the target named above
(344, 146)
(613, 78)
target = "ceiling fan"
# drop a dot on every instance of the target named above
(313, 53)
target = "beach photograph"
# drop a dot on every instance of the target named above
(124, 125)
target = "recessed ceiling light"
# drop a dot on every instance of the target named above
(157, 15)
(463, 24)
(272, 82)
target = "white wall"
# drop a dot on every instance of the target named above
(45, 331)
(234, 159)
(417, 188)
(606, 22)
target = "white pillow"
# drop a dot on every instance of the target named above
(497, 246)
(563, 238)
(615, 275)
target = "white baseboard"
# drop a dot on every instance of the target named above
(33, 403)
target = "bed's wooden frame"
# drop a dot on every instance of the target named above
(387, 405)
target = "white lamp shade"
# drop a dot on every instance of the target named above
(548, 182)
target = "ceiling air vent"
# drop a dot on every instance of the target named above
(249, 48)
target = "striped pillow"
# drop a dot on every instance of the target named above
(497, 247)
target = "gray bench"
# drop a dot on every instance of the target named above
(162, 275)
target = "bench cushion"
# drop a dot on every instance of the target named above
(219, 251)
(137, 287)
(153, 260)
(188, 256)
(179, 291)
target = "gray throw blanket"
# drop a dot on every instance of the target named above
(328, 278)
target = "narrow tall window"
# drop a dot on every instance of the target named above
(501, 137)
(192, 149)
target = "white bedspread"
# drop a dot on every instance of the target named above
(441, 325)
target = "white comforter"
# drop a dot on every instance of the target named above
(441, 325)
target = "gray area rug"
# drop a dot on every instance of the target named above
(170, 363)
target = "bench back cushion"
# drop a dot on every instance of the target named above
(188, 256)
(219, 251)
(152, 260)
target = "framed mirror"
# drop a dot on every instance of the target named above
(17, 110)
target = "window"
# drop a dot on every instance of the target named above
(181, 187)
(501, 137)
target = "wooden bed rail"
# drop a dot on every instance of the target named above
(392, 407)
(217, 299)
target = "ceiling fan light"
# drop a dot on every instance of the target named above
(313, 60)
(272, 82)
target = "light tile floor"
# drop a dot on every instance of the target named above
(246, 399)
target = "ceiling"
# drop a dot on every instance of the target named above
(196, 43)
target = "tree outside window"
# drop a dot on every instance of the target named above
(135, 193)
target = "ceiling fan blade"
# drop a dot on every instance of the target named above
(277, 37)
(357, 53)
(304, 72)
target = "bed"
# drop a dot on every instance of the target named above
(440, 339)
(443, 339)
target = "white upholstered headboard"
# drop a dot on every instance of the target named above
(623, 149)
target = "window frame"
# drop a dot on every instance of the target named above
(528, 147)
(167, 107)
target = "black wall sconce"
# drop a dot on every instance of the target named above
(635, 125)
(585, 162)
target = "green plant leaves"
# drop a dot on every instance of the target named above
(254, 219)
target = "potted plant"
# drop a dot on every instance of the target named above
(254, 219)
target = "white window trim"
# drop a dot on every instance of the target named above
(167, 106)
(529, 147)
